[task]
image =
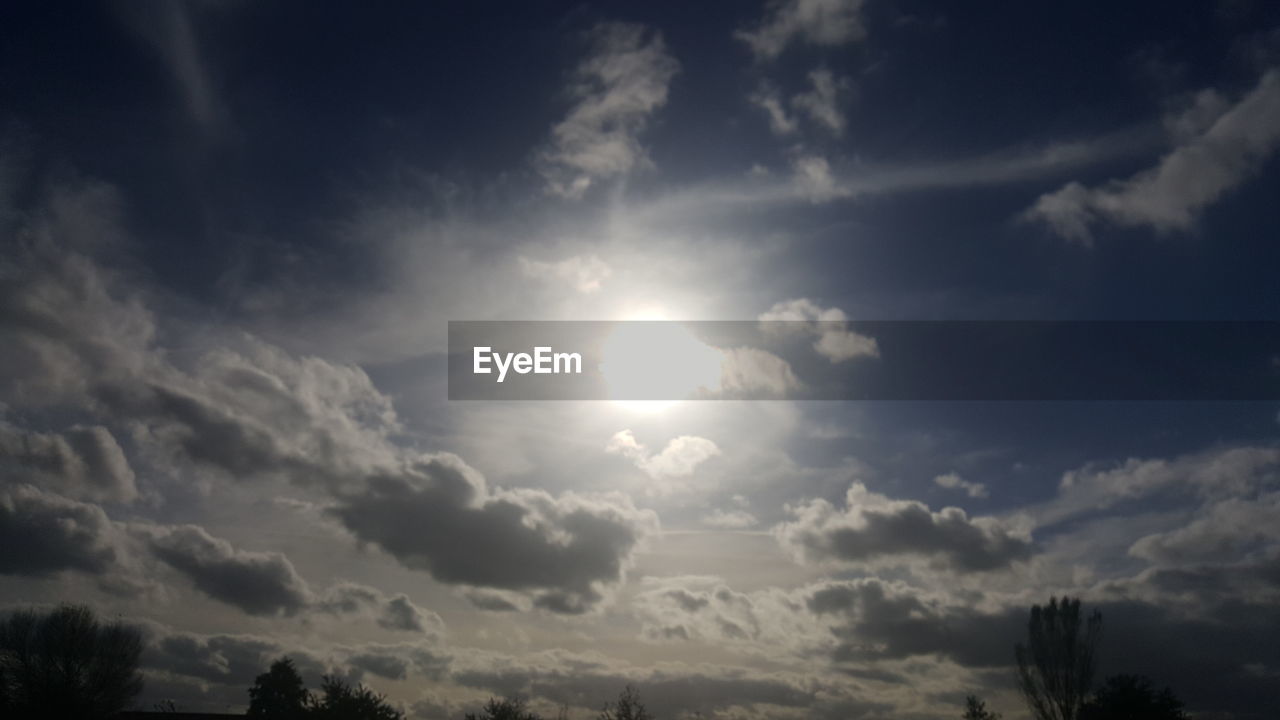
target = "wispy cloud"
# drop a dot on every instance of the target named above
(953, 481)
(170, 30)
(816, 22)
(618, 88)
(1207, 164)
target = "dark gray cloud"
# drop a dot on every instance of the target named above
(401, 614)
(386, 666)
(397, 661)
(259, 583)
(250, 411)
(397, 612)
(438, 517)
(882, 621)
(872, 527)
(219, 659)
(84, 462)
(491, 602)
(1218, 660)
(43, 533)
(224, 665)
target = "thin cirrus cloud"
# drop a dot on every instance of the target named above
(822, 103)
(815, 22)
(1203, 167)
(584, 273)
(623, 82)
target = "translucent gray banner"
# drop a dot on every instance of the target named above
(864, 360)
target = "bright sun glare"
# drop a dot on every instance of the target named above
(661, 360)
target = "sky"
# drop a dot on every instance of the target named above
(234, 235)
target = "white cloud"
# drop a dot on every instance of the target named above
(751, 371)
(952, 481)
(679, 458)
(822, 103)
(1199, 171)
(836, 341)
(812, 179)
(816, 22)
(1225, 532)
(618, 88)
(1216, 474)
(766, 98)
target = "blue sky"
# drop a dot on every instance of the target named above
(234, 234)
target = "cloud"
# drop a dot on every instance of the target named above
(396, 613)
(812, 179)
(836, 342)
(1199, 171)
(1210, 475)
(84, 462)
(751, 372)
(872, 527)
(618, 88)
(562, 550)
(705, 609)
(171, 32)
(44, 533)
(259, 583)
(766, 98)
(220, 659)
(583, 273)
(492, 601)
(816, 22)
(952, 481)
(679, 458)
(822, 103)
(249, 411)
(1225, 532)
(729, 519)
(384, 666)
(881, 620)
(65, 323)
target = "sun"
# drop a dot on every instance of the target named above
(649, 365)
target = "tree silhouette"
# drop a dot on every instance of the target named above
(278, 693)
(339, 701)
(628, 707)
(1056, 666)
(65, 663)
(1130, 697)
(506, 709)
(975, 709)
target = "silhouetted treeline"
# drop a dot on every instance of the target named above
(279, 694)
(1055, 674)
(66, 664)
(627, 707)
